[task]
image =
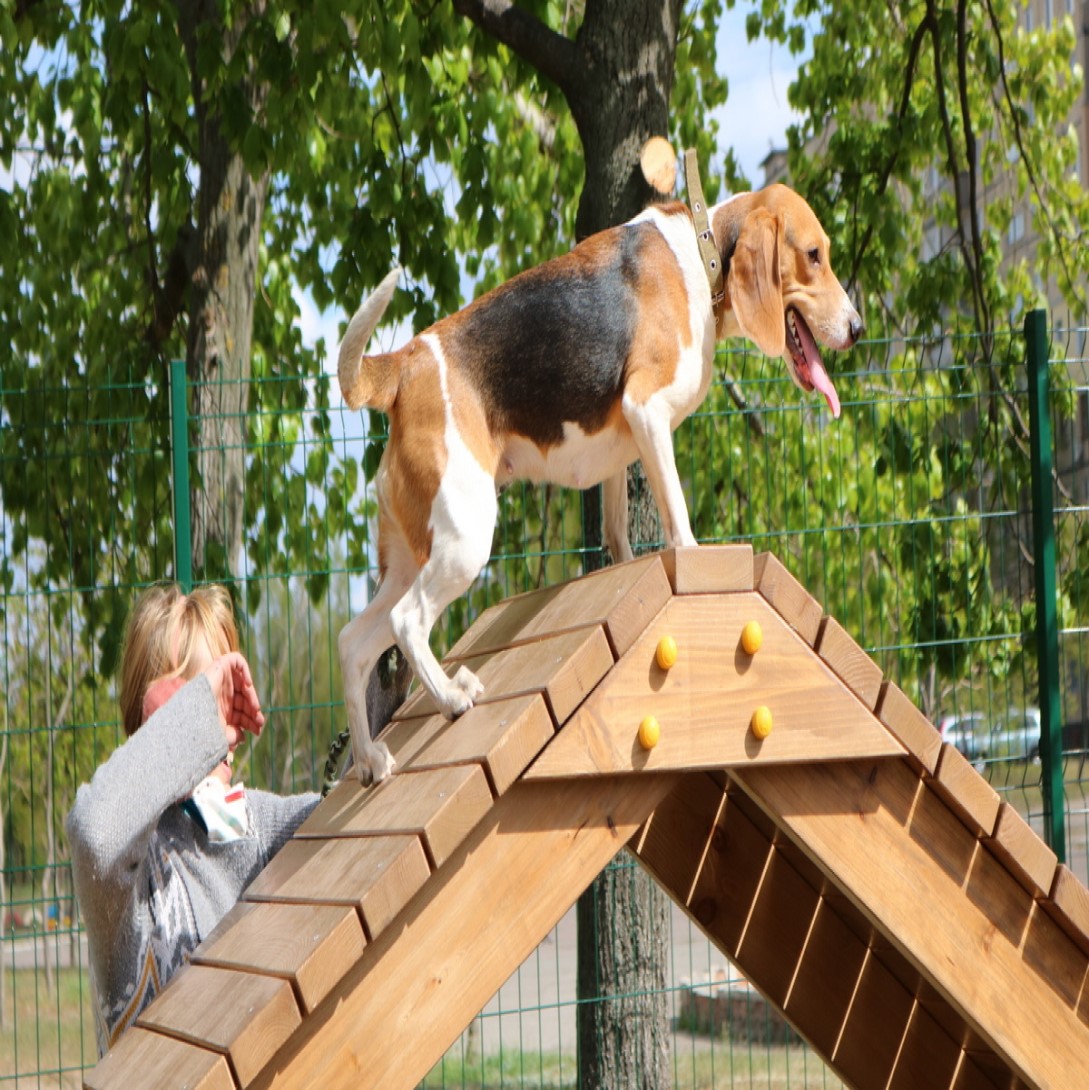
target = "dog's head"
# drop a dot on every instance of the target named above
(781, 292)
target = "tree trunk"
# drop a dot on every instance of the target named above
(623, 918)
(230, 209)
(616, 75)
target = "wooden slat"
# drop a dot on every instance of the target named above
(502, 737)
(622, 599)
(1022, 852)
(378, 875)
(965, 791)
(876, 1023)
(676, 838)
(704, 703)
(1069, 905)
(244, 1015)
(928, 1055)
(860, 673)
(847, 816)
(145, 1060)
(313, 946)
(501, 893)
(774, 938)
(788, 597)
(709, 569)
(718, 889)
(828, 974)
(440, 805)
(562, 668)
(915, 732)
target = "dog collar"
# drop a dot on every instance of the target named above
(712, 260)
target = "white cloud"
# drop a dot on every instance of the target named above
(756, 115)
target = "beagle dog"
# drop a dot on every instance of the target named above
(566, 373)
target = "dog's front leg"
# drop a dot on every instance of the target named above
(650, 426)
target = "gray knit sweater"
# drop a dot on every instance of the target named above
(150, 883)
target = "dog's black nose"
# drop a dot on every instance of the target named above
(857, 329)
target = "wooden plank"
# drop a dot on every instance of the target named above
(676, 838)
(247, 1016)
(774, 938)
(965, 791)
(622, 599)
(312, 946)
(984, 1071)
(1068, 905)
(378, 875)
(726, 880)
(562, 668)
(709, 569)
(788, 597)
(914, 731)
(502, 737)
(876, 1023)
(440, 805)
(826, 980)
(847, 816)
(859, 672)
(1022, 852)
(1055, 956)
(415, 989)
(704, 703)
(928, 1056)
(145, 1060)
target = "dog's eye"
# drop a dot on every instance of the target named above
(814, 256)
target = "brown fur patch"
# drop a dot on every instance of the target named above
(415, 458)
(662, 322)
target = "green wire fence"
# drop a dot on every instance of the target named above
(941, 520)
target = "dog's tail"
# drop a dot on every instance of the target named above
(368, 380)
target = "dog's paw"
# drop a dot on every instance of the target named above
(376, 765)
(462, 693)
(469, 684)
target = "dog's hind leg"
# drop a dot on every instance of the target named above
(361, 643)
(460, 548)
(614, 516)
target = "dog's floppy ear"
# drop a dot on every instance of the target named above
(755, 283)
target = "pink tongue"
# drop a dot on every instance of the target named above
(819, 377)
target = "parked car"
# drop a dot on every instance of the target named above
(967, 732)
(1016, 735)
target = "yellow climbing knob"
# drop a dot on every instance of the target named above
(752, 638)
(666, 653)
(761, 722)
(649, 732)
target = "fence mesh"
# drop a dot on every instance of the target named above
(909, 519)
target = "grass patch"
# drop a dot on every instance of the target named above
(696, 1066)
(46, 1037)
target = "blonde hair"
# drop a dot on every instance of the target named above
(162, 629)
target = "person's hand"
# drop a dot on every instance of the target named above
(232, 686)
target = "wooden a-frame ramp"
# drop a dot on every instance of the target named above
(907, 922)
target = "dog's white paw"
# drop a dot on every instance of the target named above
(376, 764)
(461, 694)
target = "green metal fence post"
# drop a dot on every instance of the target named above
(179, 445)
(1043, 541)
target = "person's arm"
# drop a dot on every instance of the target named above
(276, 817)
(115, 814)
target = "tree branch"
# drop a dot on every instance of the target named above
(921, 31)
(552, 54)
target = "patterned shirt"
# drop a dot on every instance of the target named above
(150, 882)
